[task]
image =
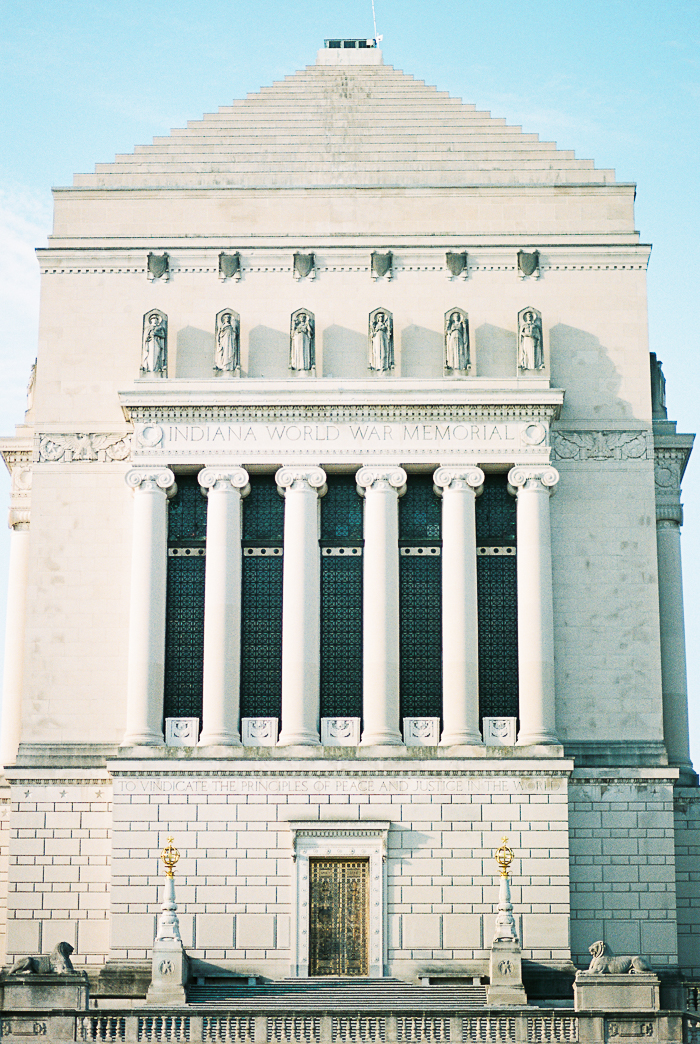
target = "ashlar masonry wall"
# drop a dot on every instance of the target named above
(623, 864)
(235, 876)
(687, 823)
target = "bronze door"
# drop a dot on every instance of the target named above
(338, 916)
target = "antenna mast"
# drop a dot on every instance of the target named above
(377, 39)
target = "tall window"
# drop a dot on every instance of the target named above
(341, 599)
(261, 601)
(184, 618)
(420, 599)
(496, 568)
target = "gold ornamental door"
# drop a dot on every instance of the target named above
(339, 917)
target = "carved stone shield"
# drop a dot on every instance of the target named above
(528, 263)
(229, 265)
(303, 264)
(456, 263)
(158, 265)
(381, 263)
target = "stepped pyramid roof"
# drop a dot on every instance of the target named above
(347, 121)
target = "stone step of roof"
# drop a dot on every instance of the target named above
(437, 136)
(309, 143)
(333, 153)
(311, 164)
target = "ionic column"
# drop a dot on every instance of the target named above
(222, 606)
(534, 484)
(669, 465)
(459, 487)
(381, 488)
(301, 605)
(13, 671)
(146, 667)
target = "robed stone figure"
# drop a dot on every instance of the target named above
(154, 349)
(530, 349)
(302, 347)
(381, 340)
(457, 340)
(227, 354)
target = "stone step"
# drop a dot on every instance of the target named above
(342, 154)
(424, 137)
(318, 143)
(300, 113)
(333, 995)
(336, 178)
(312, 165)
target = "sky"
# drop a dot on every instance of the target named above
(615, 80)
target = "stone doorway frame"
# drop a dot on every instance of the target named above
(338, 840)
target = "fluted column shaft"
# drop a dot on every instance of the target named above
(13, 670)
(458, 487)
(301, 605)
(222, 606)
(381, 488)
(535, 608)
(146, 665)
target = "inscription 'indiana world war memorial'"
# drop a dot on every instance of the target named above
(346, 576)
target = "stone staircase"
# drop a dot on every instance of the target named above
(373, 996)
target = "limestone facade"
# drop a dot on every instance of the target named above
(343, 162)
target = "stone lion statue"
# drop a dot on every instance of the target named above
(58, 962)
(604, 962)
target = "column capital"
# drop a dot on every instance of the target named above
(532, 476)
(459, 476)
(227, 479)
(379, 476)
(300, 477)
(669, 465)
(150, 479)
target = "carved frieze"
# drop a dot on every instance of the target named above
(18, 460)
(600, 445)
(79, 447)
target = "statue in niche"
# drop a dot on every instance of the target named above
(227, 353)
(154, 353)
(457, 340)
(31, 387)
(381, 341)
(302, 347)
(530, 349)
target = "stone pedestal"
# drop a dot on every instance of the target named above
(628, 992)
(169, 977)
(505, 969)
(36, 992)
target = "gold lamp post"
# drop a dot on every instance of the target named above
(170, 857)
(504, 857)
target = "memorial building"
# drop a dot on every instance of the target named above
(345, 543)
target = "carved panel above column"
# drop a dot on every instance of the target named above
(101, 447)
(601, 445)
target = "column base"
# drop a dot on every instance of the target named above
(461, 739)
(143, 739)
(299, 739)
(220, 739)
(533, 739)
(381, 739)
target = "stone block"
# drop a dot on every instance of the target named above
(658, 937)
(616, 992)
(37, 992)
(259, 732)
(93, 936)
(283, 932)
(132, 930)
(340, 732)
(499, 732)
(214, 931)
(23, 937)
(421, 732)
(622, 936)
(421, 931)
(461, 931)
(545, 931)
(54, 932)
(255, 931)
(181, 732)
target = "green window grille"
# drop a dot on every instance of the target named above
(497, 599)
(261, 600)
(420, 600)
(341, 599)
(184, 614)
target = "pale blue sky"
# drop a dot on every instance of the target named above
(617, 81)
